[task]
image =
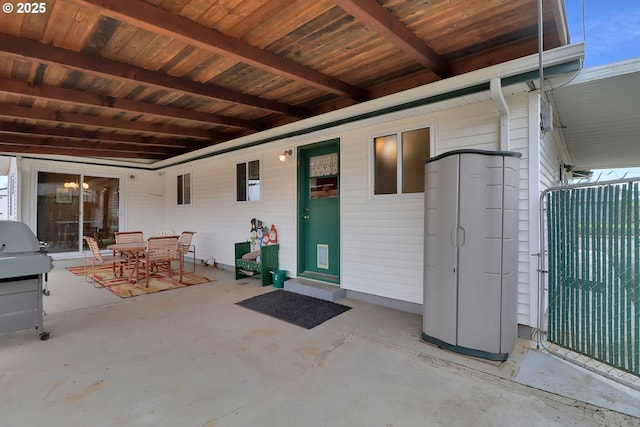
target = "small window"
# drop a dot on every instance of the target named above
(386, 164)
(184, 189)
(248, 181)
(398, 162)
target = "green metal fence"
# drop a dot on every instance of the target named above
(594, 271)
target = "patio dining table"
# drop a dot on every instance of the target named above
(134, 249)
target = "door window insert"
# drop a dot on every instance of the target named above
(323, 176)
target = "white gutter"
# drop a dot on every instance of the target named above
(496, 94)
(616, 69)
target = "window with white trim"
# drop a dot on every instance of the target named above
(248, 181)
(184, 189)
(398, 161)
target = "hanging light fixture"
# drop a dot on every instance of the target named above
(75, 185)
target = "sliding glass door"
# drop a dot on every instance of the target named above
(101, 208)
(70, 206)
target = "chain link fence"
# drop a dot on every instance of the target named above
(593, 247)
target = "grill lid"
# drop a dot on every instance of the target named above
(16, 237)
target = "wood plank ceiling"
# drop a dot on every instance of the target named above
(148, 80)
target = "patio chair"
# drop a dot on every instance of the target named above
(129, 236)
(123, 260)
(185, 247)
(92, 259)
(158, 256)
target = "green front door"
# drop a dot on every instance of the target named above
(319, 211)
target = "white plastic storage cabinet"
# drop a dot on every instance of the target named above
(471, 252)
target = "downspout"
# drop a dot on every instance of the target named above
(495, 87)
(20, 191)
(541, 253)
(540, 50)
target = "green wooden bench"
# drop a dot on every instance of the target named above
(251, 268)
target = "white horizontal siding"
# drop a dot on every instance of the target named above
(219, 220)
(553, 154)
(551, 157)
(143, 207)
(519, 142)
(472, 127)
(381, 238)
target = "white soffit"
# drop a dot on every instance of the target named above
(599, 115)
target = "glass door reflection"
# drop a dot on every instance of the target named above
(58, 215)
(62, 220)
(100, 209)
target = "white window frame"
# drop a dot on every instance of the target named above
(372, 167)
(35, 169)
(247, 183)
(180, 202)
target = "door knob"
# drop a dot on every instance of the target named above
(305, 217)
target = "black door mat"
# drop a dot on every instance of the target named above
(301, 310)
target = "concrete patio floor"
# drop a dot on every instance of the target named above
(191, 357)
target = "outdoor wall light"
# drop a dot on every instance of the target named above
(285, 153)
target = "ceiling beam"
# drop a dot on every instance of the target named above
(18, 112)
(493, 56)
(74, 133)
(74, 144)
(146, 16)
(372, 14)
(23, 144)
(19, 87)
(24, 149)
(30, 49)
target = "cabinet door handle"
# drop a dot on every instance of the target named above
(457, 237)
(461, 236)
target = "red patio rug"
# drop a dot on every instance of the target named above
(124, 289)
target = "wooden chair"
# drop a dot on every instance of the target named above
(129, 237)
(159, 254)
(92, 259)
(123, 260)
(185, 247)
